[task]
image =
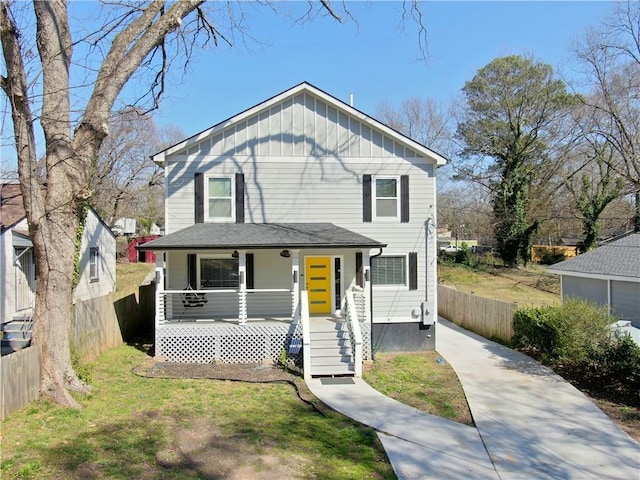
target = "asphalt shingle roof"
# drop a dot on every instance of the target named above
(260, 236)
(620, 258)
(11, 207)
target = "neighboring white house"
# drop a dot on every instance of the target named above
(608, 275)
(17, 262)
(297, 210)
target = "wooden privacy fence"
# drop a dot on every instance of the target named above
(98, 325)
(20, 379)
(492, 319)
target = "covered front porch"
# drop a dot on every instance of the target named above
(252, 298)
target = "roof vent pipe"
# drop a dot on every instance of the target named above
(351, 98)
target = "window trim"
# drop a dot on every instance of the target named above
(404, 258)
(232, 199)
(199, 258)
(94, 252)
(374, 198)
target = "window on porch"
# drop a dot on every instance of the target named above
(218, 273)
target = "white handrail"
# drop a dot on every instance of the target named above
(352, 317)
(306, 334)
(215, 290)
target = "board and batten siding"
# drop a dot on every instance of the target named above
(303, 161)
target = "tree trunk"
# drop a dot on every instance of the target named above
(54, 303)
(636, 217)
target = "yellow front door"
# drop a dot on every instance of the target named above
(318, 283)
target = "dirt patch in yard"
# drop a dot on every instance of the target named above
(202, 446)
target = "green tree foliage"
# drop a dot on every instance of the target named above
(596, 188)
(512, 130)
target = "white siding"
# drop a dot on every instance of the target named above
(588, 288)
(8, 272)
(305, 163)
(96, 234)
(625, 300)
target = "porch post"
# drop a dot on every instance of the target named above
(366, 268)
(160, 299)
(242, 287)
(295, 281)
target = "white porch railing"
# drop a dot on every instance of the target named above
(353, 323)
(306, 334)
(228, 305)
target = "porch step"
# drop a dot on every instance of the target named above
(16, 334)
(330, 349)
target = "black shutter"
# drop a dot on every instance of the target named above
(366, 198)
(249, 270)
(239, 197)
(199, 198)
(192, 271)
(413, 271)
(404, 198)
(359, 270)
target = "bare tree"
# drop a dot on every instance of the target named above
(126, 179)
(610, 54)
(424, 120)
(72, 100)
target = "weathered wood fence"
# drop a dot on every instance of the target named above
(20, 379)
(490, 318)
(98, 325)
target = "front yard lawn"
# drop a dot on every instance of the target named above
(135, 427)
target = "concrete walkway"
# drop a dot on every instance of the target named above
(529, 422)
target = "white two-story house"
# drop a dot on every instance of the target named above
(299, 226)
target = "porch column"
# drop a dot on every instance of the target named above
(295, 281)
(242, 287)
(160, 298)
(366, 268)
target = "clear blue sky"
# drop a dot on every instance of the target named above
(376, 59)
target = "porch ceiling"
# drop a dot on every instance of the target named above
(246, 236)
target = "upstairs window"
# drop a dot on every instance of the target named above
(94, 264)
(219, 203)
(386, 198)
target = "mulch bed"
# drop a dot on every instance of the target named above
(239, 372)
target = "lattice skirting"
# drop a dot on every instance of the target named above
(228, 343)
(365, 330)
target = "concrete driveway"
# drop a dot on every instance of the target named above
(532, 422)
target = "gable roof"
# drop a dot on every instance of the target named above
(234, 236)
(617, 260)
(11, 207)
(303, 87)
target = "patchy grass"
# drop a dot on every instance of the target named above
(135, 427)
(129, 276)
(422, 380)
(524, 286)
